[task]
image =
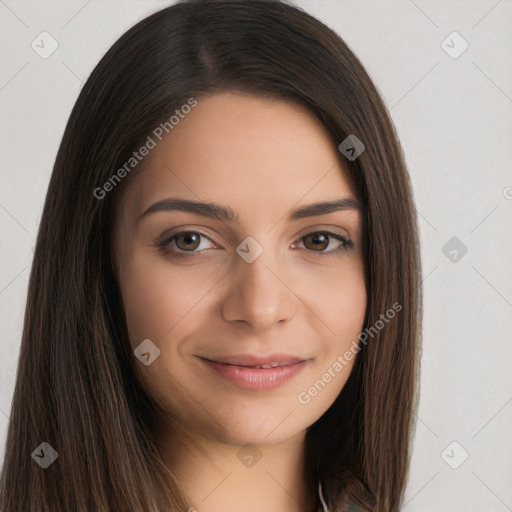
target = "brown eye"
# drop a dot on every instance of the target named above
(318, 241)
(184, 244)
(187, 241)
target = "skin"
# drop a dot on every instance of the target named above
(262, 158)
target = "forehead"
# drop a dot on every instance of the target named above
(246, 151)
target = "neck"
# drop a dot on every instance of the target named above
(222, 476)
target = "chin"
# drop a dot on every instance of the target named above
(258, 428)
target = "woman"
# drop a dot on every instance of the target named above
(223, 158)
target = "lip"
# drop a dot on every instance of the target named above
(245, 376)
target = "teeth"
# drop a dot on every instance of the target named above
(272, 365)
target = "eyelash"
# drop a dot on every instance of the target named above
(163, 244)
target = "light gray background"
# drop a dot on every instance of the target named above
(454, 119)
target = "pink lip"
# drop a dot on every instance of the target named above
(257, 379)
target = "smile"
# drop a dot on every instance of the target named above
(260, 377)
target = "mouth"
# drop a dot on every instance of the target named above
(256, 373)
(274, 364)
(253, 361)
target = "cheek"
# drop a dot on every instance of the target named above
(348, 311)
(339, 299)
(341, 304)
(156, 299)
(341, 307)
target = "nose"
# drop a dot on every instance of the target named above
(258, 295)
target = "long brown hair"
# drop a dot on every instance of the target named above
(75, 386)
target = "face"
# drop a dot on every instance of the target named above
(218, 292)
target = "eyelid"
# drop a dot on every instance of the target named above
(306, 231)
(165, 240)
(325, 227)
(169, 234)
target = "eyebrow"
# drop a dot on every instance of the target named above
(226, 213)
